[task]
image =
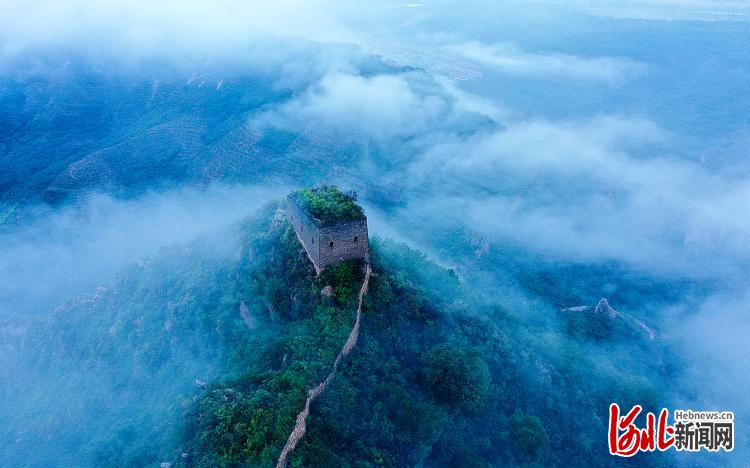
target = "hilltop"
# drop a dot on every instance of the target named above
(203, 356)
(328, 205)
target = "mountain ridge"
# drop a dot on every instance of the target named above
(439, 376)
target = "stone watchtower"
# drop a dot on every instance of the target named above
(330, 225)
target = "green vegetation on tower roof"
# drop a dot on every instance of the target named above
(328, 204)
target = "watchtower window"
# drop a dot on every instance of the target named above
(330, 244)
(312, 239)
(355, 239)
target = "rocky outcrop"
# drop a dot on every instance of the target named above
(604, 310)
(278, 218)
(603, 307)
(245, 314)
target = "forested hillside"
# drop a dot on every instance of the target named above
(203, 354)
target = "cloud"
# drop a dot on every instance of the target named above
(144, 29)
(591, 191)
(477, 104)
(509, 59)
(594, 189)
(708, 339)
(380, 107)
(70, 251)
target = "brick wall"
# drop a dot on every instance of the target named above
(307, 230)
(328, 245)
(344, 241)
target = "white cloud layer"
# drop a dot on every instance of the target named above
(585, 191)
(70, 251)
(380, 107)
(170, 27)
(509, 59)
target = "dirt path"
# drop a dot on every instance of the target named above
(301, 425)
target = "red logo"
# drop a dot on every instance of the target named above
(625, 439)
(693, 431)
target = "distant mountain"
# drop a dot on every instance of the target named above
(76, 128)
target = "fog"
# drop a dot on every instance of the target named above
(179, 28)
(68, 252)
(593, 134)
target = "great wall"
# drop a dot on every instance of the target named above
(328, 244)
(300, 426)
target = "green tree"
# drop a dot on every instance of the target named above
(456, 378)
(530, 436)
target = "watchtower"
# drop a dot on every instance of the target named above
(330, 225)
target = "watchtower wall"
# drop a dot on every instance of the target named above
(342, 241)
(307, 229)
(329, 245)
